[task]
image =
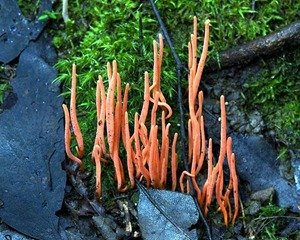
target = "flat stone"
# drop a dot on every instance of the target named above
(32, 181)
(253, 208)
(296, 165)
(264, 195)
(16, 31)
(257, 163)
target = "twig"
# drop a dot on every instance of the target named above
(179, 65)
(65, 12)
(264, 46)
(243, 212)
(141, 37)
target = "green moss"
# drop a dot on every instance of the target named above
(4, 86)
(269, 222)
(6, 73)
(276, 93)
(29, 8)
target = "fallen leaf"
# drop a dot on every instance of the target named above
(166, 215)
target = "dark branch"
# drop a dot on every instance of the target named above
(268, 45)
(179, 65)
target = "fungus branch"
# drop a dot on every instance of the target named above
(148, 147)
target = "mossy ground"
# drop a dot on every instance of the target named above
(101, 31)
(5, 77)
(276, 92)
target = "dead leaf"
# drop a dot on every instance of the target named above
(166, 215)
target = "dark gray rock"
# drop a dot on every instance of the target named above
(295, 155)
(256, 162)
(253, 208)
(16, 31)
(263, 196)
(5, 231)
(32, 147)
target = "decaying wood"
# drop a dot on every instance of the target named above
(268, 45)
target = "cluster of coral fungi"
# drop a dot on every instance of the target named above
(150, 150)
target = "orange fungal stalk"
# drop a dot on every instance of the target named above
(149, 155)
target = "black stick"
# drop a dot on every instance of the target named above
(286, 37)
(179, 65)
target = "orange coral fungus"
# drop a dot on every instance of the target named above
(196, 133)
(148, 146)
(181, 180)
(101, 111)
(73, 114)
(235, 187)
(220, 180)
(97, 159)
(129, 152)
(99, 148)
(68, 138)
(196, 137)
(72, 117)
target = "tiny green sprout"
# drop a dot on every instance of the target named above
(48, 15)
